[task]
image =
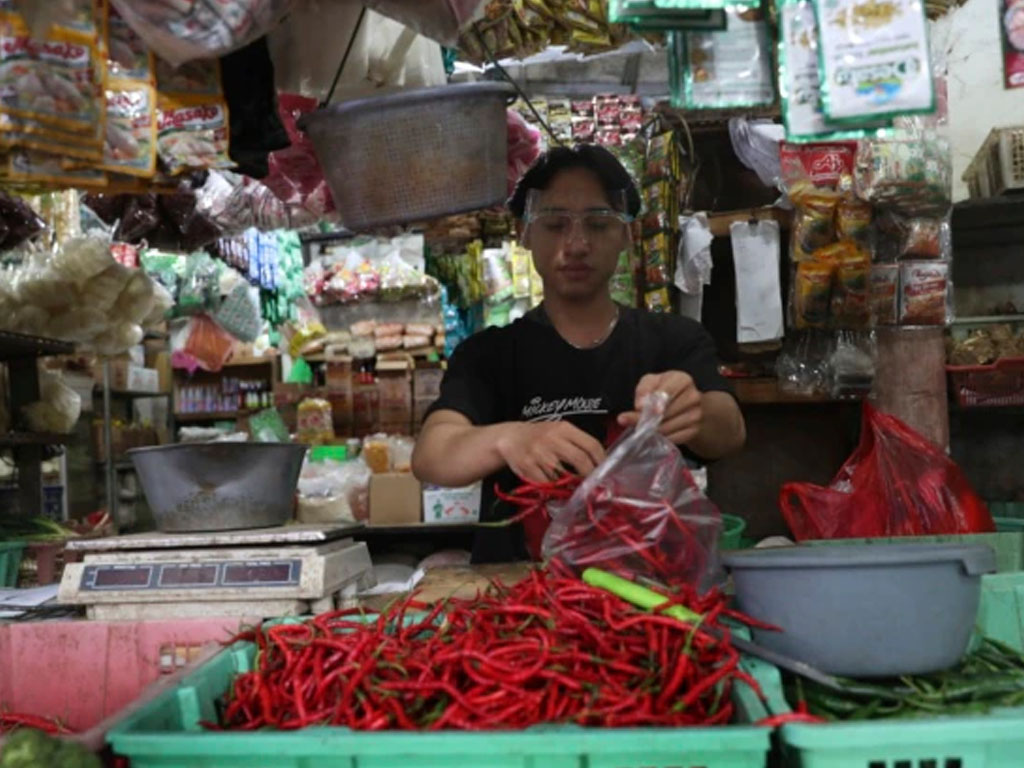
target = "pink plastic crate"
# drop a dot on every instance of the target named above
(84, 672)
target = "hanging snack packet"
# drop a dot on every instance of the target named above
(884, 294)
(874, 59)
(926, 239)
(656, 259)
(192, 133)
(662, 158)
(130, 145)
(853, 219)
(812, 294)
(923, 292)
(52, 80)
(128, 57)
(658, 300)
(731, 68)
(814, 222)
(850, 306)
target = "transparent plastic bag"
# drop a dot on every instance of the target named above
(896, 483)
(334, 491)
(185, 30)
(639, 513)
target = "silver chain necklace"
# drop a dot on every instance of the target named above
(601, 339)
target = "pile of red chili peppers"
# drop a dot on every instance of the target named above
(547, 650)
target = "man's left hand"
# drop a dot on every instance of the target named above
(683, 413)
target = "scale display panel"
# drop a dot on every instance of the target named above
(237, 574)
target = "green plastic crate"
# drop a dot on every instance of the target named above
(1008, 547)
(994, 740)
(10, 561)
(1009, 524)
(1014, 509)
(1001, 611)
(165, 733)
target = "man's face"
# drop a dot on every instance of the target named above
(574, 235)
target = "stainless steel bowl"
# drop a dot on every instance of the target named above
(219, 486)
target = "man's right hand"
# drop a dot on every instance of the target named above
(542, 451)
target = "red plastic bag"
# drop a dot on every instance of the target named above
(639, 513)
(896, 483)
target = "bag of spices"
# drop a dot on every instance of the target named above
(812, 293)
(192, 133)
(874, 59)
(924, 292)
(130, 130)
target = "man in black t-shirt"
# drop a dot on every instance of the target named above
(544, 394)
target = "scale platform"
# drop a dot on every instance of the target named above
(255, 573)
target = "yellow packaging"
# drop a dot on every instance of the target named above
(80, 18)
(9, 124)
(51, 80)
(192, 132)
(44, 143)
(130, 129)
(30, 167)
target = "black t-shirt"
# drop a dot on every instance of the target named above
(527, 372)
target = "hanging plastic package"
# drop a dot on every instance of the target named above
(192, 29)
(640, 513)
(52, 80)
(731, 68)
(874, 59)
(800, 79)
(192, 133)
(130, 131)
(207, 344)
(896, 483)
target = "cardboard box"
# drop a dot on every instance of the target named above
(396, 498)
(143, 379)
(126, 376)
(451, 505)
(394, 382)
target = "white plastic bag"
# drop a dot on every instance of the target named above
(58, 407)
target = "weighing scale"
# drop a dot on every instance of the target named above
(266, 572)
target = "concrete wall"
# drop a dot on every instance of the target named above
(969, 38)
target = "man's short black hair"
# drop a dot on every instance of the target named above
(613, 176)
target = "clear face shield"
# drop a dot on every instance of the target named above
(554, 224)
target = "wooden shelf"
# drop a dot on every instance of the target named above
(15, 346)
(185, 418)
(765, 391)
(246, 360)
(131, 393)
(720, 221)
(14, 439)
(985, 319)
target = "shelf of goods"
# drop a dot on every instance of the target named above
(19, 352)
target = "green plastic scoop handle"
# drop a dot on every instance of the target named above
(637, 595)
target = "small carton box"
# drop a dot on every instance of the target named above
(451, 505)
(395, 499)
(143, 379)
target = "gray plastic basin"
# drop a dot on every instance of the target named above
(864, 610)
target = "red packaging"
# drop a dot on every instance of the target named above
(821, 165)
(1012, 26)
